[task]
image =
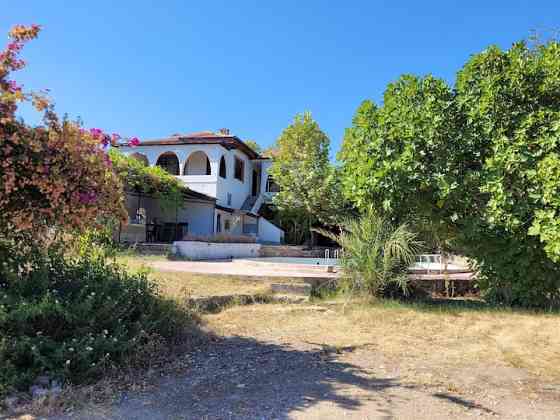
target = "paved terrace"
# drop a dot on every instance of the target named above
(243, 268)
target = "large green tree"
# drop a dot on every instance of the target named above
(480, 163)
(307, 180)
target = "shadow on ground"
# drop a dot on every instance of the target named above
(243, 378)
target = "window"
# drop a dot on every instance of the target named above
(223, 172)
(239, 169)
(227, 225)
(219, 223)
(229, 199)
(271, 186)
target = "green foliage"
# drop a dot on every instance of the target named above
(479, 164)
(309, 190)
(149, 180)
(376, 254)
(253, 145)
(73, 317)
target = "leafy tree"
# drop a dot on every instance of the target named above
(253, 145)
(302, 169)
(480, 163)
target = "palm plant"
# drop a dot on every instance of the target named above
(376, 254)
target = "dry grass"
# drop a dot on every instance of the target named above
(447, 335)
(177, 285)
(435, 337)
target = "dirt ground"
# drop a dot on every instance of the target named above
(314, 361)
(332, 360)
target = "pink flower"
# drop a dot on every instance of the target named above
(12, 85)
(105, 140)
(14, 46)
(95, 132)
(134, 142)
(87, 197)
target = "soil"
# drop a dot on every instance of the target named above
(244, 378)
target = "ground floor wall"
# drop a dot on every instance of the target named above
(269, 233)
(195, 217)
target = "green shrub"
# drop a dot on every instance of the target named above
(72, 317)
(376, 254)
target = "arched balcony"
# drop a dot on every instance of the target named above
(197, 164)
(169, 162)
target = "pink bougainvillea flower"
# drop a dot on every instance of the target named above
(95, 132)
(87, 197)
(107, 160)
(14, 46)
(12, 85)
(105, 140)
(134, 141)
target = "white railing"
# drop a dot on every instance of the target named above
(335, 254)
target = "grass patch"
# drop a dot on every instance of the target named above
(438, 336)
(180, 285)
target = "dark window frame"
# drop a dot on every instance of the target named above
(239, 169)
(271, 185)
(223, 169)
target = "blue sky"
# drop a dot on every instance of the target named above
(153, 68)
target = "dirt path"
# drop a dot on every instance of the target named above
(242, 378)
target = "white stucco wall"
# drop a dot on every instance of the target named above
(212, 185)
(239, 190)
(199, 216)
(269, 233)
(208, 251)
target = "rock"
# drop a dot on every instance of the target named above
(43, 381)
(11, 403)
(38, 391)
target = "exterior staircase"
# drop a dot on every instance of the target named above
(252, 203)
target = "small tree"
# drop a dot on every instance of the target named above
(376, 254)
(302, 170)
(253, 145)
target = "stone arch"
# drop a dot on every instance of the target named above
(141, 158)
(169, 162)
(223, 167)
(197, 164)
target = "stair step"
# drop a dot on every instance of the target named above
(293, 288)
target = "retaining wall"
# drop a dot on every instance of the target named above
(291, 251)
(215, 251)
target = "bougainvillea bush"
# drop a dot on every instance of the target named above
(54, 177)
(66, 311)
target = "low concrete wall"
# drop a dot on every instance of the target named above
(291, 251)
(214, 251)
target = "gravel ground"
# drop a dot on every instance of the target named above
(241, 378)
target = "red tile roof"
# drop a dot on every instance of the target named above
(205, 137)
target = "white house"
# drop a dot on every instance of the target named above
(230, 181)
